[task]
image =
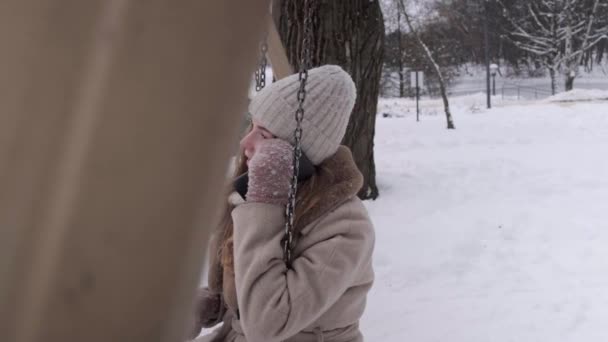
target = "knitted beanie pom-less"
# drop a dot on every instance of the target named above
(330, 98)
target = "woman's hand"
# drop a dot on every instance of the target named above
(270, 172)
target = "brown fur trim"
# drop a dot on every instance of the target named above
(340, 180)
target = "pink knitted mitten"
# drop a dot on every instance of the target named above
(270, 172)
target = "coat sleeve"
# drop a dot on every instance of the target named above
(276, 303)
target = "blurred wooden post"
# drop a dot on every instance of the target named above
(117, 119)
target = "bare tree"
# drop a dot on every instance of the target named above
(538, 32)
(557, 32)
(394, 51)
(429, 54)
(590, 37)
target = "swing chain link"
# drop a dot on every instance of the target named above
(260, 72)
(305, 64)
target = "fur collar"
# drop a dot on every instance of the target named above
(340, 180)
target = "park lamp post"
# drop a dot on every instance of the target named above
(493, 70)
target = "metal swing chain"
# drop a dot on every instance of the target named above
(299, 115)
(260, 72)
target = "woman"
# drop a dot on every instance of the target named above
(322, 296)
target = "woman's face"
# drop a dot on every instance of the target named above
(250, 141)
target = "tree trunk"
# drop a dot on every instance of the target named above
(400, 40)
(349, 34)
(570, 81)
(446, 105)
(553, 80)
(602, 47)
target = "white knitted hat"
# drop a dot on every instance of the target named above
(330, 98)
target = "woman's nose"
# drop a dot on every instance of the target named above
(247, 143)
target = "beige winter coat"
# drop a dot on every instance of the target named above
(323, 296)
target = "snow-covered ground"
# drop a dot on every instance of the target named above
(496, 231)
(580, 95)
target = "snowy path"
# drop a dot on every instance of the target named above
(497, 231)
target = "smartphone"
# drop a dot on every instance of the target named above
(307, 169)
